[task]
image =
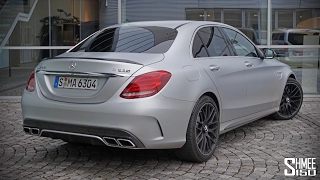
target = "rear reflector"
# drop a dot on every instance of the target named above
(146, 85)
(30, 84)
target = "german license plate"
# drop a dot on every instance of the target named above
(75, 83)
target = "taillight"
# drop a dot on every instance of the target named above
(30, 84)
(146, 85)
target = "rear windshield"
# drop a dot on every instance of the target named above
(150, 39)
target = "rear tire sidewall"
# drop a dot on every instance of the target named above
(191, 138)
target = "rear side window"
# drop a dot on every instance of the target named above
(131, 39)
(214, 41)
(198, 49)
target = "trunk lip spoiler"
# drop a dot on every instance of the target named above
(113, 60)
(80, 74)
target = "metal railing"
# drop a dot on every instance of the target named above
(10, 16)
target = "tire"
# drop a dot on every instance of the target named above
(202, 132)
(291, 101)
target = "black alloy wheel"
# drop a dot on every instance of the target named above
(202, 133)
(291, 100)
(206, 128)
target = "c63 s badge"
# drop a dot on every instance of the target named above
(124, 70)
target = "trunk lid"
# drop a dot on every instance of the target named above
(66, 78)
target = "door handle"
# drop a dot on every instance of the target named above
(214, 68)
(248, 64)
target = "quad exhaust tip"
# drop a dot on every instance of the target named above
(125, 143)
(109, 141)
(32, 131)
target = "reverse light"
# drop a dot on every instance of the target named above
(30, 84)
(146, 85)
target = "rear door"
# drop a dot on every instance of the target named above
(259, 73)
(212, 53)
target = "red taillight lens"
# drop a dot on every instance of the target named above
(146, 85)
(30, 84)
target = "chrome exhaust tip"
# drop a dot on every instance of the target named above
(27, 130)
(35, 131)
(126, 143)
(111, 141)
(32, 131)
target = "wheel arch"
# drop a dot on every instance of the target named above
(292, 76)
(213, 96)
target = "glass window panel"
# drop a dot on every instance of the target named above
(214, 15)
(195, 14)
(24, 33)
(255, 25)
(149, 39)
(65, 22)
(305, 64)
(198, 49)
(233, 17)
(242, 46)
(308, 18)
(285, 18)
(214, 41)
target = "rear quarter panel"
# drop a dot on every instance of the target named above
(286, 71)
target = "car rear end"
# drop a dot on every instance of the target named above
(101, 93)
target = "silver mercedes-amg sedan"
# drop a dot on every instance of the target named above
(158, 85)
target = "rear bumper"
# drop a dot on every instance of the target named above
(82, 134)
(152, 123)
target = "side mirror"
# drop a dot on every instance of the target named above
(268, 53)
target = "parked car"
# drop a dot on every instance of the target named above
(158, 85)
(297, 57)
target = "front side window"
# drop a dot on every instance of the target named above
(241, 44)
(214, 41)
(130, 39)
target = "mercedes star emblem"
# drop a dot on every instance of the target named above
(72, 65)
